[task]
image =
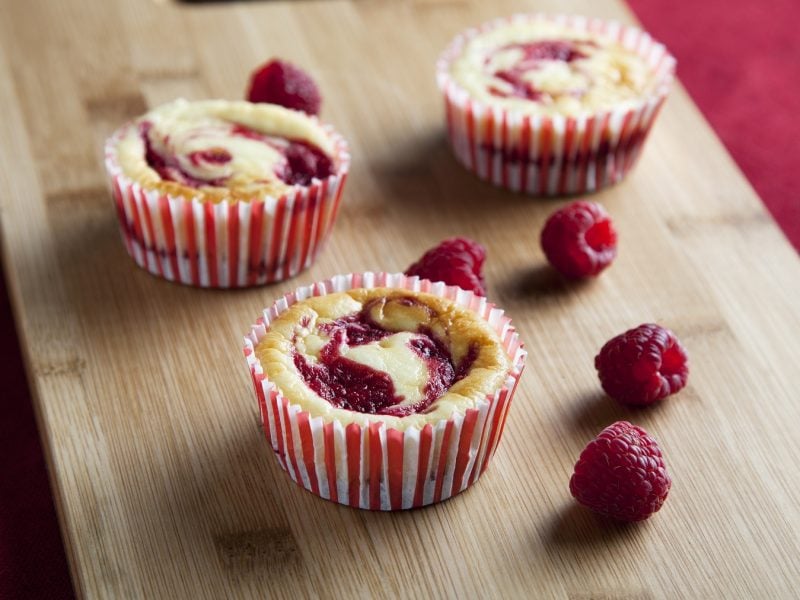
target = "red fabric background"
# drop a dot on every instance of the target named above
(739, 60)
(32, 561)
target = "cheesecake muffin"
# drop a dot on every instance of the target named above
(552, 105)
(223, 193)
(377, 394)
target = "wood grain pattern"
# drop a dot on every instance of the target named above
(165, 485)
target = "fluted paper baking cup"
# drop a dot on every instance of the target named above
(373, 466)
(549, 155)
(226, 244)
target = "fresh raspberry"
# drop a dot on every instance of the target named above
(621, 474)
(280, 82)
(456, 261)
(642, 365)
(579, 240)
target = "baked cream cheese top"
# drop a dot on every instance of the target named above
(221, 150)
(539, 67)
(403, 358)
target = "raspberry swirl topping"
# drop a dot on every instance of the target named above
(235, 147)
(383, 355)
(514, 66)
(356, 364)
(538, 66)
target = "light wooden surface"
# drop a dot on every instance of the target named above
(164, 483)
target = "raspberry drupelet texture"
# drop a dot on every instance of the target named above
(579, 240)
(642, 365)
(621, 474)
(455, 261)
(280, 82)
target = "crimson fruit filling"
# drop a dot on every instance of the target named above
(532, 55)
(351, 385)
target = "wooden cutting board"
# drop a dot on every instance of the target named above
(165, 485)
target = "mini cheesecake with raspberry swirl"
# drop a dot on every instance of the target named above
(543, 67)
(370, 355)
(225, 150)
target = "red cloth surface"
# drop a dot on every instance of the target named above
(32, 561)
(739, 60)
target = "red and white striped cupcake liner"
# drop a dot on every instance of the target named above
(226, 244)
(543, 155)
(374, 466)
